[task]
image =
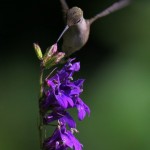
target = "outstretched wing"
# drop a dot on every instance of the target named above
(65, 8)
(114, 7)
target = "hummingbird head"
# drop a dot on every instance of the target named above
(74, 15)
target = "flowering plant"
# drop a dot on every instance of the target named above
(58, 94)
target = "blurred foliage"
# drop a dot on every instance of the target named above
(115, 63)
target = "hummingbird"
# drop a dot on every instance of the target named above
(77, 30)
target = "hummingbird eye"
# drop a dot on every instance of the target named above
(78, 21)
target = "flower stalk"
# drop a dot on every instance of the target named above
(40, 115)
(58, 93)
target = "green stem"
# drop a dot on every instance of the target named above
(40, 115)
(42, 128)
(41, 83)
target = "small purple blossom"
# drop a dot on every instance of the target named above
(62, 139)
(61, 116)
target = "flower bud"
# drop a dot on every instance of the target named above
(52, 57)
(48, 63)
(38, 51)
(50, 51)
(59, 56)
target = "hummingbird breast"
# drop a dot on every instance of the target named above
(76, 37)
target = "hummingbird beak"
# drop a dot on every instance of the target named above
(66, 28)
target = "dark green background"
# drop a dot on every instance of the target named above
(115, 63)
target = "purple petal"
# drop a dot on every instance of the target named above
(54, 82)
(79, 82)
(75, 91)
(81, 112)
(50, 142)
(75, 67)
(68, 120)
(62, 100)
(72, 89)
(76, 143)
(70, 101)
(82, 109)
(87, 109)
(67, 141)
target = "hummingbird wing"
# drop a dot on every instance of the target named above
(65, 8)
(114, 7)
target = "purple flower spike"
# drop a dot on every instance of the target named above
(61, 94)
